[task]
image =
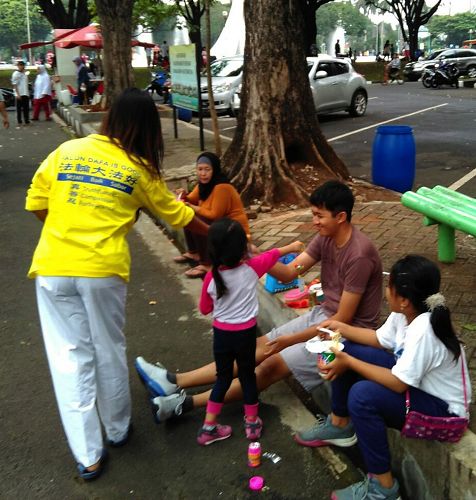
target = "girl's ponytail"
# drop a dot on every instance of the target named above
(418, 279)
(440, 319)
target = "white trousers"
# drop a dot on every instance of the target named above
(82, 320)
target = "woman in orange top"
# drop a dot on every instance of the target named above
(211, 199)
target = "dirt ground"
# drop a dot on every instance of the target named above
(309, 178)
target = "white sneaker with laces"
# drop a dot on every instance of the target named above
(165, 407)
(154, 377)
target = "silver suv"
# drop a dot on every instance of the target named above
(465, 60)
(334, 84)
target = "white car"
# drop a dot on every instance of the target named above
(335, 86)
(226, 77)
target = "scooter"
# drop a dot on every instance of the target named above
(160, 83)
(427, 77)
(445, 74)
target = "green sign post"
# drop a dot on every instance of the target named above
(183, 69)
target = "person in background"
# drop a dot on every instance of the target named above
(42, 93)
(81, 281)
(20, 86)
(212, 198)
(148, 55)
(337, 48)
(155, 55)
(386, 50)
(164, 49)
(415, 350)
(392, 69)
(3, 111)
(82, 80)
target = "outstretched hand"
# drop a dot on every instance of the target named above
(330, 324)
(277, 345)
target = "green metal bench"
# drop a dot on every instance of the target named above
(447, 208)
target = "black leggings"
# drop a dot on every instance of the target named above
(239, 346)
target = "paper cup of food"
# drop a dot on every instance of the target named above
(323, 349)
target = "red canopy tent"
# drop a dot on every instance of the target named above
(89, 36)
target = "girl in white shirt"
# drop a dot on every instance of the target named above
(416, 349)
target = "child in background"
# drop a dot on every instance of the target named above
(369, 382)
(229, 290)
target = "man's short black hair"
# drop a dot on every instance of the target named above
(334, 196)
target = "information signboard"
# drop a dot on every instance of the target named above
(183, 71)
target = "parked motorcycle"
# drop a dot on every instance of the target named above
(160, 83)
(427, 77)
(445, 73)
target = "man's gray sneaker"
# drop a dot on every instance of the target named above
(324, 434)
(154, 377)
(165, 407)
(369, 489)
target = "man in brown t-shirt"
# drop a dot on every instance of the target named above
(351, 275)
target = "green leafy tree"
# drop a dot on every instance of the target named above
(150, 13)
(453, 30)
(308, 9)
(411, 15)
(13, 29)
(360, 31)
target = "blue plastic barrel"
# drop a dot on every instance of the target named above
(393, 157)
(184, 114)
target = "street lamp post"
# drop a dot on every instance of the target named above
(28, 29)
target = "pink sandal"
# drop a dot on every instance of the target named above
(196, 272)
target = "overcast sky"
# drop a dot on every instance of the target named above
(448, 7)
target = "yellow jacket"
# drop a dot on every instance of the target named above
(92, 192)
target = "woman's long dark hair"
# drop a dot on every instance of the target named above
(416, 278)
(133, 123)
(218, 177)
(227, 245)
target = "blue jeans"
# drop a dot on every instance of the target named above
(228, 347)
(372, 407)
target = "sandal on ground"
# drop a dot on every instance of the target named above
(89, 475)
(196, 272)
(185, 258)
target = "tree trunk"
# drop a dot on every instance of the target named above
(413, 40)
(277, 124)
(116, 29)
(77, 15)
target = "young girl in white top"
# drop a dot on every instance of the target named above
(229, 291)
(416, 349)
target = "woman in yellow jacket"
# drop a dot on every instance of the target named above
(88, 192)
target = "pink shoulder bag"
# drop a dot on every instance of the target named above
(421, 426)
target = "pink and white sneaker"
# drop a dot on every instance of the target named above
(253, 429)
(218, 433)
